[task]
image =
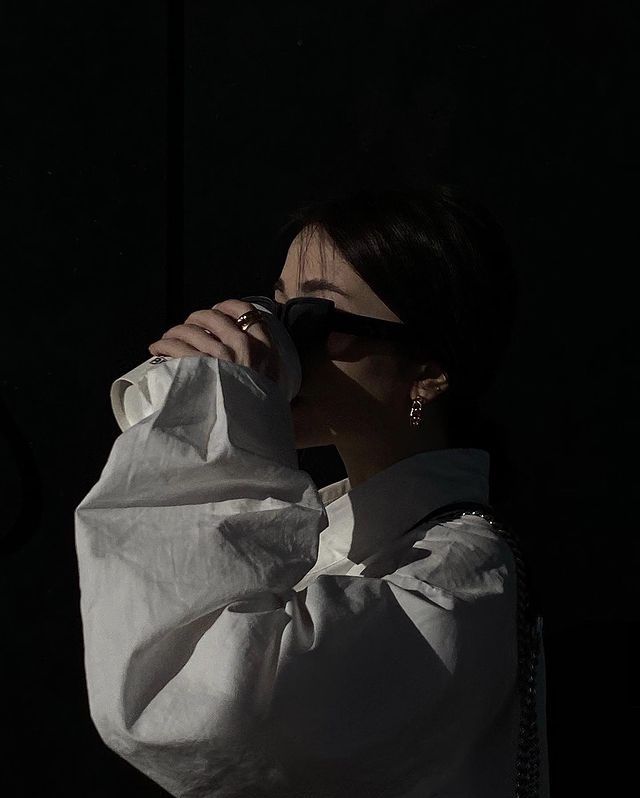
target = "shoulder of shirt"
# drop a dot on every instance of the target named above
(465, 558)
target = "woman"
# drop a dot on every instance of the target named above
(247, 634)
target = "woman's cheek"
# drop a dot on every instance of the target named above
(340, 346)
(328, 372)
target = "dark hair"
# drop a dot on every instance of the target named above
(439, 260)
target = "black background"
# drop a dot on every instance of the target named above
(527, 104)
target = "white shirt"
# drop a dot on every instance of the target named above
(233, 646)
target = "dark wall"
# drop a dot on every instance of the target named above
(526, 104)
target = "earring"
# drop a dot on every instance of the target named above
(415, 414)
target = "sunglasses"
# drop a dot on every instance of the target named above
(309, 320)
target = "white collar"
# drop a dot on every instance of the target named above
(382, 508)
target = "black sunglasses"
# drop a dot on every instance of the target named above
(309, 320)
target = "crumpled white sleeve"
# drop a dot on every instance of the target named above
(205, 669)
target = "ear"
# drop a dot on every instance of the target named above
(432, 381)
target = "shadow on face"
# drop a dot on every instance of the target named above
(351, 382)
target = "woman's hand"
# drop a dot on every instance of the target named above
(214, 333)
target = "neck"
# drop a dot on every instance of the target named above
(373, 448)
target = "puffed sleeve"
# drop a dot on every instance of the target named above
(206, 670)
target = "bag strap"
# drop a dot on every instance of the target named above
(454, 510)
(530, 623)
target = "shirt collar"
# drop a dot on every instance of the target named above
(388, 504)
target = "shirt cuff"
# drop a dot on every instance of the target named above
(141, 391)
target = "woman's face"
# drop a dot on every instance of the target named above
(353, 383)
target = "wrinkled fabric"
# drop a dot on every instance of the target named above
(248, 634)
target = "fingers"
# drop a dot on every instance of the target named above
(196, 336)
(186, 340)
(214, 332)
(172, 347)
(221, 320)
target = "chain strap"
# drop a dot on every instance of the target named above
(529, 631)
